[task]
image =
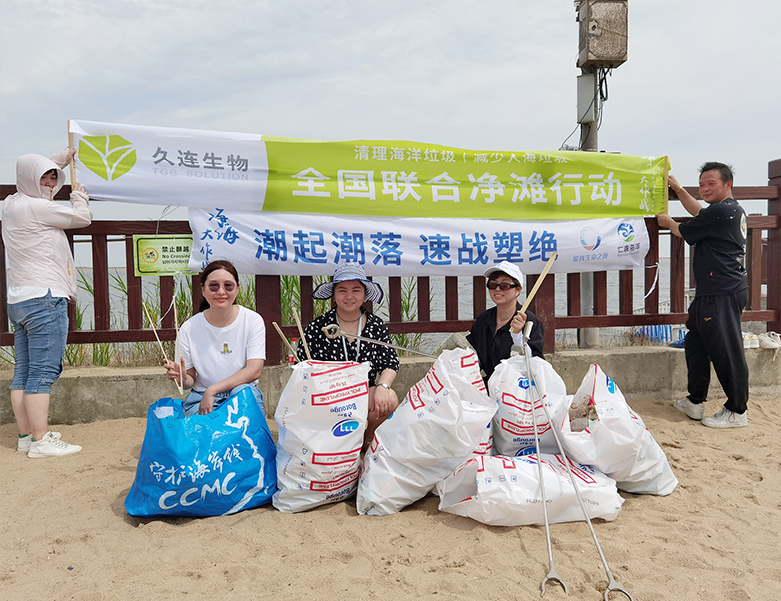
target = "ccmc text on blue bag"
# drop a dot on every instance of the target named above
(204, 465)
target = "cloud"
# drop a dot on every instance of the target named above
(699, 83)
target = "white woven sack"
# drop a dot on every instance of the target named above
(512, 425)
(471, 370)
(486, 445)
(321, 418)
(618, 443)
(505, 491)
(439, 424)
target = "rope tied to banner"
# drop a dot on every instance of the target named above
(656, 279)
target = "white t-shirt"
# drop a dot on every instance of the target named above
(217, 353)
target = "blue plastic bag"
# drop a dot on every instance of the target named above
(204, 465)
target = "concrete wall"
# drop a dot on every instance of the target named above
(98, 393)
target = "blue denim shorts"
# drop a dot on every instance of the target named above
(192, 401)
(40, 335)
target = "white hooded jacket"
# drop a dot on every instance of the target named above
(36, 245)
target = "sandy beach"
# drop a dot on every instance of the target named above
(64, 533)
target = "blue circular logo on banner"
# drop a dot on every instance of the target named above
(626, 231)
(589, 238)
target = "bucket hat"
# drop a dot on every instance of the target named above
(510, 269)
(349, 272)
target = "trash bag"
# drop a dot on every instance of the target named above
(513, 425)
(204, 465)
(505, 491)
(440, 423)
(321, 418)
(617, 442)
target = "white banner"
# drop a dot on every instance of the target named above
(386, 178)
(205, 169)
(307, 244)
(163, 165)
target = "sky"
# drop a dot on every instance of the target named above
(701, 80)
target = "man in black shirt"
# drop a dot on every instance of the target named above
(718, 234)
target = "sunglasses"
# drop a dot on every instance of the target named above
(501, 286)
(215, 286)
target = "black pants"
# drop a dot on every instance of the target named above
(715, 337)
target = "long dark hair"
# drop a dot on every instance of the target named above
(211, 267)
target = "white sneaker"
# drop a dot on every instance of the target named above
(23, 443)
(51, 447)
(693, 410)
(726, 419)
(770, 340)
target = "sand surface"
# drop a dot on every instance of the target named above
(64, 533)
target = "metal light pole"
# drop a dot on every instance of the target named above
(602, 47)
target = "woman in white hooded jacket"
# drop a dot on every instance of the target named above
(41, 280)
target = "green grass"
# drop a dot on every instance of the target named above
(149, 353)
(409, 312)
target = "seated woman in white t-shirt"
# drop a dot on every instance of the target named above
(222, 348)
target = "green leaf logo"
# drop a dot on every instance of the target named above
(109, 157)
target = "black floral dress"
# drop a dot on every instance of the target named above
(333, 349)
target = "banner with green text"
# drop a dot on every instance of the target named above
(250, 172)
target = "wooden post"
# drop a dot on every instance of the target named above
(774, 248)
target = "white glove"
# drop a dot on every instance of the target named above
(78, 196)
(64, 158)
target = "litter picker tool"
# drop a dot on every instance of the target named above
(612, 585)
(334, 331)
(285, 340)
(552, 575)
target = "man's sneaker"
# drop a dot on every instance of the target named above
(770, 340)
(51, 447)
(23, 443)
(693, 410)
(726, 419)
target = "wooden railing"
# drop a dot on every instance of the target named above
(763, 262)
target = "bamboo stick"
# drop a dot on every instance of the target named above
(74, 184)
(179, 387)
(284, 339)
(152, 324)
(303, 338)
(537, 284)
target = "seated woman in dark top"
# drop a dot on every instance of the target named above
(350, 289)
(490, 336)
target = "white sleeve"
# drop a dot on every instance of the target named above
(184, 344)
(256, 336)
(82, 216)
(52, 214)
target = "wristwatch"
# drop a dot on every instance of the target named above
(384, 385)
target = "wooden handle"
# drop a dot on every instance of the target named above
(74, 184)
(179, 386)
(284, 339)
(303, 338)
(537, 284)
